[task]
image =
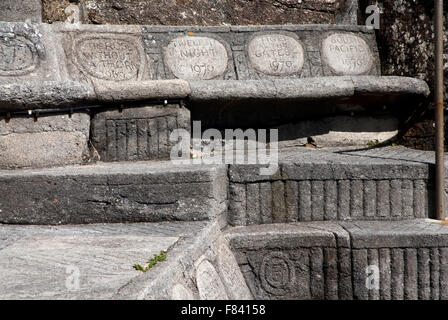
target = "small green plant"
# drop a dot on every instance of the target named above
(373, 143)
(154, 260)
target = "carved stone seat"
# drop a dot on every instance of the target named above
(226, 77)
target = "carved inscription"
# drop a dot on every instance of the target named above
(347, 54)
(108, 59)
(276, 54)
(277, 273)
(196, 58)
(17, 55)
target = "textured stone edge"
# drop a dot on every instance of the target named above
(178, 279)
(409, 266)
(34, 94)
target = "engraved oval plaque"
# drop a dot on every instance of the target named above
(347, 54)
(196, 58)
(276, 54)
(109, 59)
(18, 55)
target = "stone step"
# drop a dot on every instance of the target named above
(347, 260)
(391, 183)
(96, 262)
(113, 192)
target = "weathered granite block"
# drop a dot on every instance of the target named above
(289, 261)
(137, 133)
(318, 185)
(50, 141)
(113, 192)
(21, 10)
(260, 52)
(27, 52)
(97, 54)
(410, 257)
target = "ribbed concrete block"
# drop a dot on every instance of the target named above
(444, 273)
(317, 274)
(137, 133)
(420, 199)
(407, 192)
(369, 197)
(396, 209)
(383, 198)
(373, 260)
(344, 199)
(424, 283)
(356, 199)
(345, 274)
(278, 201)
(291, 201)
(331, 200)
(360, 263)
(237, 206)
(331, 273)
(385, 273)
(434, 258)
(266, 202)
(305, 202)
(252, 203)
(397, 281)
(317, 200)
(411, 274)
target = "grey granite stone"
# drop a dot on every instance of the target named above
(137, 133)
(50, 141)
(22, 10)
(113, 192)
(83, 262)
(209, 283)
(43, 94)
(292, 261)
(333, 184)
(27, 52)
(141, 90)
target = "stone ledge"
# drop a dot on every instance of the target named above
(53, 94)
(113, 192)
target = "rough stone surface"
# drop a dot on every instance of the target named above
(200, 12)
(209, 284)
(347, 54)
(406, 43)
(42, 262)
(113, 192)
(307, 89)
(110, 53)
(284, 261)
(339, 131)
(276, 54)
(142, 90)
(13, 10)
(25, 53)
(43, 94)
(195, 270)
(137, 133)
(406, 38)
(316, 185)
(409, 258)
(50, 141)
(249, 52)
(198, 58)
